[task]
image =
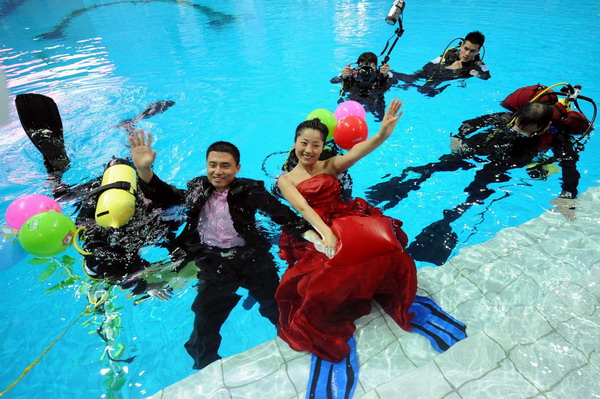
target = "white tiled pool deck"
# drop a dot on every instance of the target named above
(530, 298)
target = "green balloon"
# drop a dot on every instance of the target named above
(47, 234)
(326, 117)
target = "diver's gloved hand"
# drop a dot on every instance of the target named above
(159, 291)
(441, 329)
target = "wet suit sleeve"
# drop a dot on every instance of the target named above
(162, 194)
(336, 79)
(429, 69)
(498, 119)
(482, 71)
(564, 151)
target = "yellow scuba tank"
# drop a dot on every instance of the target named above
(116, 203)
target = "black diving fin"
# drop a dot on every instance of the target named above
(41, 121)
(157, 107)
(435, 243)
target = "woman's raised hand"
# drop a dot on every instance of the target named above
(392, 115)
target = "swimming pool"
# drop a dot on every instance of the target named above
(246, 72)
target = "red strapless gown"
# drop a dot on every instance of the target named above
(319, 299)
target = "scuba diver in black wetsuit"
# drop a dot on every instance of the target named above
(366, 84)
(514, 140)
(118, 220)
(460, 62)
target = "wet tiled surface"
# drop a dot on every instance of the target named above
(530, 298)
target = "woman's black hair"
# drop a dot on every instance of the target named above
(315, 124)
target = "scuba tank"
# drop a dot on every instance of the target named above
(563, 116)
(116, 203)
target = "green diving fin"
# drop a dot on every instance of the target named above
(41, 121)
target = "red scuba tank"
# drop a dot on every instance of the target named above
(521, 96)
(574, 123)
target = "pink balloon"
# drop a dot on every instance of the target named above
(26, 206)
(348, 108)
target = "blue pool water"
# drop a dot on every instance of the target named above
(247, 72)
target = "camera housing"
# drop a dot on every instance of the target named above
(365, 73)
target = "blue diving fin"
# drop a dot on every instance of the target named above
(441, 329)
(333, 380)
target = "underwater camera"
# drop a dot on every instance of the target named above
(365, 73)
(395, 11)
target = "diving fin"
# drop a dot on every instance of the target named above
(157, 107)
(434, 244)
(333, 380)
(249, 302)
(441, 329)
(41, 121)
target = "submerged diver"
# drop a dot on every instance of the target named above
(366, 84)
(113, 253)
(509, 141)
(222, 237)
(460, 62)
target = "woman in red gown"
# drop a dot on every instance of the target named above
(358, 257)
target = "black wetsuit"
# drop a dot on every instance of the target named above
(115, 252)
(501, 149)
(369, 94)
(436, 72)
(224, 270)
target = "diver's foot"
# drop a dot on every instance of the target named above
(249, 302)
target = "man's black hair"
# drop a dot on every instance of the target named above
(534, 113)
(475, 37)
(312, 124)
(224, 146)
(367, 58)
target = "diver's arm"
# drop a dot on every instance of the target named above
(480, 70)
(143, 157)
(341, 163)
(566, 202)
(563, 149)
(498, 119)
(161, 193)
